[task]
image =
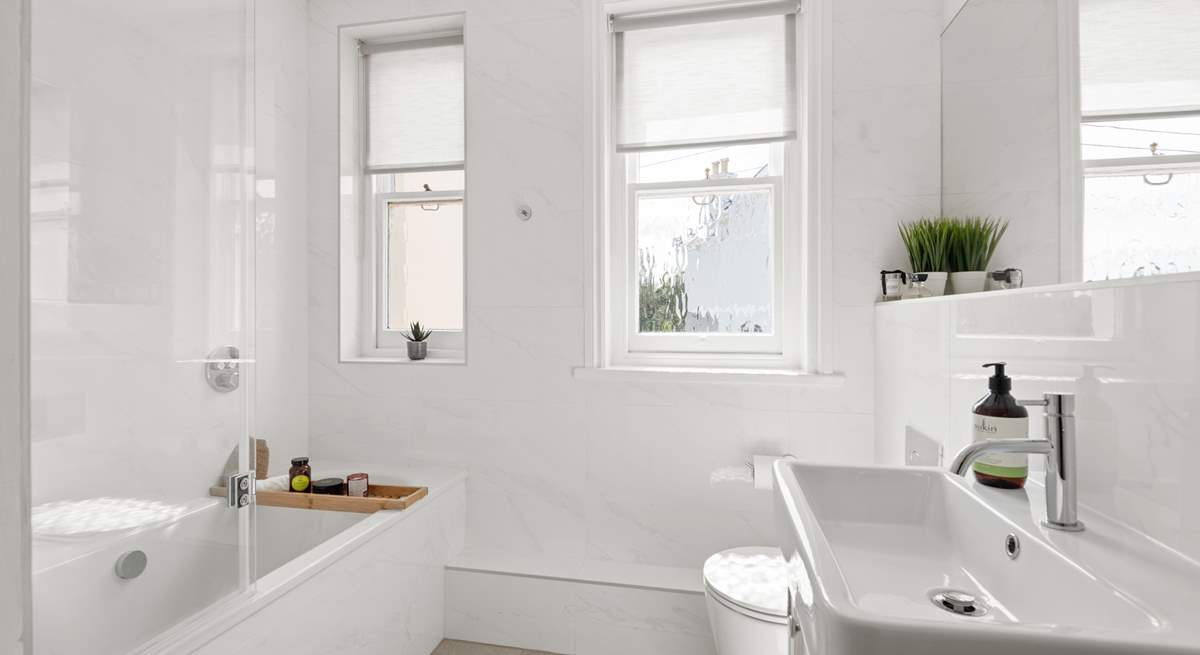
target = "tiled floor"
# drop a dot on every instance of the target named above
(449, 647)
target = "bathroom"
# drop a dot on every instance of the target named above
(198, 294)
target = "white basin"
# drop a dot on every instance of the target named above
(866, 546)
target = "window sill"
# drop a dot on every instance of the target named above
(708, 376)
(435, 358)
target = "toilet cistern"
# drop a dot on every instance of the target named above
(1059, 449)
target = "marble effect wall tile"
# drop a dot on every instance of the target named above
(574, 470)
(1127, 350)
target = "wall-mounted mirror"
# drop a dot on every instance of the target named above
(1078, 121)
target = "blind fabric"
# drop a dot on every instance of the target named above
(1137, 56)
(705, 83)
(415, 107)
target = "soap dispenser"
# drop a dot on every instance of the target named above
(999, 416)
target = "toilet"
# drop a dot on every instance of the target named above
(745, 590)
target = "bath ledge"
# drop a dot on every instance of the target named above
(676, 579)
(708, 376)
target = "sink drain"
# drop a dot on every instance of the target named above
(958, 602)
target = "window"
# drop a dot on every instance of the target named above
(703, 246)
(1140, 139)
(412, 158)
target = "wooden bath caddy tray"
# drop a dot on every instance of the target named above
(379, 496)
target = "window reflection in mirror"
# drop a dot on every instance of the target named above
(1079, 122)
(1139, 82)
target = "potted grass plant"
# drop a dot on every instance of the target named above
(417, 336)
(927, 241)
(973, 243)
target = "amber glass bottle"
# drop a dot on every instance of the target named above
(300, 476)
(999, 416)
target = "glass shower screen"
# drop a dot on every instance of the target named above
(141, 266)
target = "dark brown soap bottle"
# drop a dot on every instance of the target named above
(300, 476)
(999, 416)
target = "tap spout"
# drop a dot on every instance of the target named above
(968, 455)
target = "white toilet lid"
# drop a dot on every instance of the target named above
(752, 577)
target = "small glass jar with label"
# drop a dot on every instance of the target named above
(300, 476)
(356, 485)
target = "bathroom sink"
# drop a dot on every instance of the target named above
(902, 561)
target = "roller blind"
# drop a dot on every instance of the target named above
(692, 81)
(1137, 56)
(415, 105)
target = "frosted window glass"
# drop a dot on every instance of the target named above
(1139, 54)
(425, 265)
(705, 262)
(415, 106)
(1133, 228)
(702, 83)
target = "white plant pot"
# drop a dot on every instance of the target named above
(968, 281)
(936, 282)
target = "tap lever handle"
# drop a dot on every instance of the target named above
(1056, 404)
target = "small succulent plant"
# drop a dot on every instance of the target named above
(416, 332)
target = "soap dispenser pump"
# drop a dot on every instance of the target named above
(999, 416)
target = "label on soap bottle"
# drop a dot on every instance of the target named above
(1001, 465)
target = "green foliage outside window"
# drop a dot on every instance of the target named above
(662, 299)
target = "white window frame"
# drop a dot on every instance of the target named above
(678, 347)
(801, 291)
(1150, 165)
(1131, 166)
(379, 339)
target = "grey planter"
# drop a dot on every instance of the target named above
(417, 350)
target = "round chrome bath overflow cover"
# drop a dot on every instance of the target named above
(1012, 546)
(130, 565)
(957, 602)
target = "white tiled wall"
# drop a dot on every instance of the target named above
(1129, 352)
(14, 379)
(563, 469)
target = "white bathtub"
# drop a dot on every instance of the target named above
(327, 581)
